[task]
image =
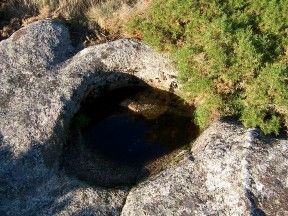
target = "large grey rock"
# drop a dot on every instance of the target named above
(230, 171)
(43, 80)
(42, 84)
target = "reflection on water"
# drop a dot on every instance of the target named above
(128, 127)
(131, 139)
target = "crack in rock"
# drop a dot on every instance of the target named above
(247, 176)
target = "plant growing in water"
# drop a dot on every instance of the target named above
(232, 56)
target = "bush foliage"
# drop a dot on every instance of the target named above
(232, 56)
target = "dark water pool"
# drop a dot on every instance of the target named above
(119, 139)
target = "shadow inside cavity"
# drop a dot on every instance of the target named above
(126, 135)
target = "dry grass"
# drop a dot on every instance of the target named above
(101, 20)
(112, 15)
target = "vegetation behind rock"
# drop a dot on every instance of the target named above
(232, 56)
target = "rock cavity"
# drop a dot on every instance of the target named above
(126, 135)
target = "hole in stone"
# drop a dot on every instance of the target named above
(126, 135)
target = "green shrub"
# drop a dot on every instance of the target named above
(232, 56)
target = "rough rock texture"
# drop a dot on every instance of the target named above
(42, 84)
(229, 172)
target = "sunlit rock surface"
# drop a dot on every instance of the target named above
(230, 171)
(43, 79)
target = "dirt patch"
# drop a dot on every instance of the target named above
(18, 34)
